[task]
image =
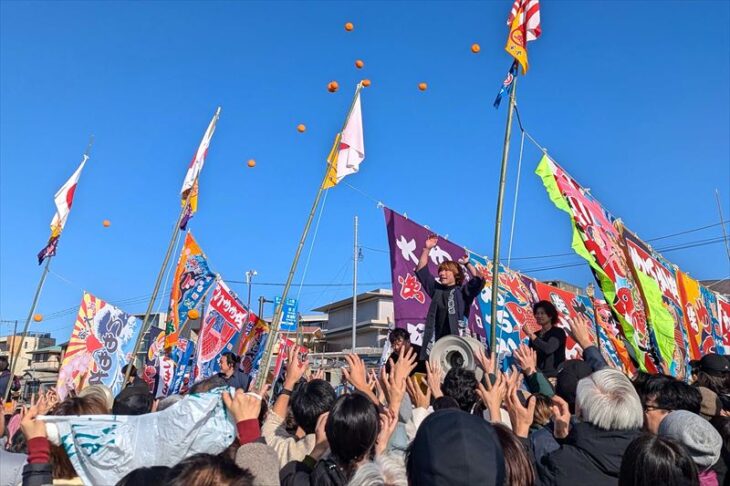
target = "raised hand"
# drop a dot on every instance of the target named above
(243, 406)
(579, 330)
(355, 372)
(561, 417)
(31, 427)
(321, 444)
(433, 378)
(484, 362)
(388, 421)
(418, 398)
(521, 416)
(493, 394)
(295, 368)
(431, 241)
(526, 359)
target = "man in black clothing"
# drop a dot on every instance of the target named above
(549, 341)
(399, 339)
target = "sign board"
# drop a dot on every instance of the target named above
(289, 314)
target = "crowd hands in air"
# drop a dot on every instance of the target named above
(592, 425)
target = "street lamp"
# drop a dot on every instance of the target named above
(249, 276)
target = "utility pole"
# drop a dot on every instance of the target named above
(354, 291)
(249, 276)
(722, 224)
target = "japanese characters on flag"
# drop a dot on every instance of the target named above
(223, 323)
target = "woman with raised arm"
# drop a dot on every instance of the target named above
(451, 297)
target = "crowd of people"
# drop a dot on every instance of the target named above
(547, 421)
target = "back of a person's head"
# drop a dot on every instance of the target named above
(652, 460)
(131, 373)
(145, 475)
(133, 400)
(667, 393)
(3, 363)
(310, 400)
(207, 470)
(543, 410)
(696, 434)
(518, 468)
(208, 384)
(386, 469)
(261, 461)
(719, 383)
(648, 385)
(460, 384)
(352, 427)
(88, 405)
(455, 448)
(168, 402)
(570, 372)
(608, 400)
(103, 392)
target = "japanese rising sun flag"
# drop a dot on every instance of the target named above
(524, 22)
(190, 184)
(64, 198)
(348, 151)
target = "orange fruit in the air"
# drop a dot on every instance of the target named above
(366, 82)
(38, 317)
(193, 314)
(422, 86)
(475, 48)
(333, 86)
(349, 26)
(106, 223)
(301, 128)
(359, 64)
(252, 163)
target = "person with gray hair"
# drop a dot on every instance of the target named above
(386, 469)
(609, 417)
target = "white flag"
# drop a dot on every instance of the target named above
(196, 165)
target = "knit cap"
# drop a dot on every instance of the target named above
(700, 438)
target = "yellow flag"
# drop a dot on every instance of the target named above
(516, 42)
(331, 179)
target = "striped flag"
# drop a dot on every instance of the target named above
(524, 22)
(63, 199)
(190, 184)
(507, 84)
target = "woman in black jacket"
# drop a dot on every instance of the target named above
(349, 431)
(549, 341)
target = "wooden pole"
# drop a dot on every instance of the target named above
(498, 226)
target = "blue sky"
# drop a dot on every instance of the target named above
(630, 98)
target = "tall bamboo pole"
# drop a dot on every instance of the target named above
(498, 225)
(276, 320)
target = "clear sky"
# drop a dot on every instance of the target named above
(631, 98)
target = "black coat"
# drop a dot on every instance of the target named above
(588, 455)
(324, 473)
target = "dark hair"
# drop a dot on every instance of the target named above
(309, 401)
(398, 333)
(352, 427)
(208, 384)
(652, 459)
(454, 268)
(722, 425)
(442, 403)
(133, 400)
(3, 363)
(517, 465)
(18, 442)
(460, 384)
(720, 384)
(132, 373)
(543, 410)
(208, 470)
(145, 475)
(667, 393)
(231, 358)
(549, 309)
(88, 405)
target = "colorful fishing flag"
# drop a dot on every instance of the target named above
(190, 184)
(224, 320)
(692, 309)
(597, 240)
(658, 285)
(63, 199)
(723, 344)
(101, 343)
(193, 278)
(348, 151)
(524, 22)
(507, 84)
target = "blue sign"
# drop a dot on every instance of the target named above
(289, 314)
